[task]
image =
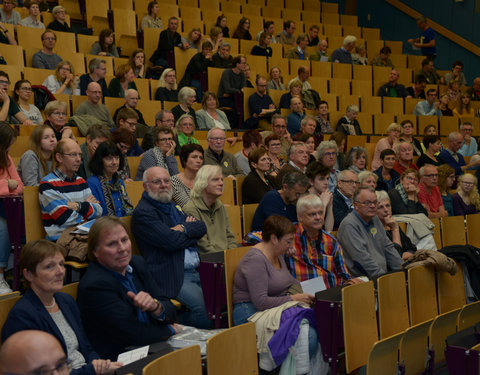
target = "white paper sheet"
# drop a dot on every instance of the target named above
(133, 355)
(313, 285)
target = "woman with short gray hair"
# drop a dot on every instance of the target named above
(348, 124)
(186, 98)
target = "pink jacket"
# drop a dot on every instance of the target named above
(11, 174)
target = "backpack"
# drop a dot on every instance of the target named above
(42, 96)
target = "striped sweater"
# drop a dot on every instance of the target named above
(56, 190)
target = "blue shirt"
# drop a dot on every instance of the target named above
(425, 37)
(294, 120)
(272, 204)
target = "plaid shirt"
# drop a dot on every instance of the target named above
(318, 257)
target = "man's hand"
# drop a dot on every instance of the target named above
(92, 199)
(73, 205)
(145, 302)
(178, 228)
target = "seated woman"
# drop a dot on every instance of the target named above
(191, 159)
(393, 134)
(258, 182)
(295, 88)
(215, 37)
(356, 159)
(464, 107)
(368, 178)
(194, 39)
(152, 19)
(404, 196)
(446, 179)
(105, 45)
(348, 124)
(185, 129)
(124, 140)
(273, 145)
(242, 30)
(106, 185)
(262, 280)
(22, 92)
(309, 141)
(432, 144)
(318, 175)
(340, 139)
(63, 81)
(276, 79)
(186, 97)
(37, 162)
(122, 82)
(453, 91)
(466, 199)
(263, 48)
(45, 308)
(443, 105)
(360, 55)
(56, 117)
(205, 205)
(167, 86)
(407, 136)
(161, 155)
(383, 59)
(400, 240)
(210, 116)
(222, 24)
(137, 62)
(120, 303)
(323, 119)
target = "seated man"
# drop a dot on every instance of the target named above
(297, 161)
(97, 70)
(168, 40)
(260, 104)
(429, 194)
(347, 182)
(387, 177)
(33, 17)
(404, 152)
(418, 88)
(222, 59)
(456, 74)
(308, 126)
(317, 253)
(96, 134)
(168, 240)
(131, 102)
(205, 206)
(313, 35)
(452, 157)
(164, 117)
(429, 73)
(231, 88)
(474, 91)
(287, 36)
(294, 119)
(45, 58)
(343, 54)
(321, 53)
(299, 51)
(197, 70)
(303, 74)
(216, 155)
(428, 106)
(383, 59)
(65, 198)
(120, 303)
(93, 106)
(268, 29)
(281, 202)
(279, 128)
(8, 14)
(59, 23)
(392, 88)
(368, 250)
(127, 118)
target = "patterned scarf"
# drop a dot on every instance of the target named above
(402, 193)
(115, 185)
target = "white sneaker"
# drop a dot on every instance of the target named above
(4, 287)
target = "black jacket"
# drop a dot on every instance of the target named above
(197, 64)
(340, 208)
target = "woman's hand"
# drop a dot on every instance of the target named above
(67, 132)
(12, 184)
(105, 366)
(391, 223)
(171, 150)
(304, 297)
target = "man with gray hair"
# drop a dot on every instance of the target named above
(215, 154)
(426, 40)
(97, 71)
(167, 239)
(321, 53)
(404, 151)
(222, 59)
(131, 101)
(429, 193)
(165, 118)
(299, 51)
(279, 128)
(343, 54)
(313, 246)
(348, 124)
(452, 157)
(469, 145)
(297, 161)
(93, 106)
(347, 182)
(281, 202)
(368, 250)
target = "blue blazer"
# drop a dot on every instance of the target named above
(109, 315)
(447, 158)
(29, 313)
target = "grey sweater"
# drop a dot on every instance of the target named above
(230, 83)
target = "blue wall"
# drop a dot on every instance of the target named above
(457, 17)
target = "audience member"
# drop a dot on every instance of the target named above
(407, 136)
(258, 182)
(164, 118)
(263, 48)
(356, 159)
(347, 183)
(443, 105)
(167, 86)
(392, 88)
(127, 118)
(295, 91)
(273, 146)
(281, 202)
(22, 93)
(196, 72)
(383, 59)
(368, 250)
(8, 107)
(173, 261)
(231, 88)
(404, 152)
(152, 20)
(417, 91)
(343, 54)
(287, 36)
(123, 81)
(260, 104)
(348, 124)
(124, 140)
(466, 200)
(297, 161)
(216, 155)
(60, 21)
(194, 38)
(93, 106)
(105, 45)
(404, 196)
(222, 59)
(313, 35)
(33, 18)
(276, 79)
(96, 135)
(222, 23)
(303, 74)
(323, 119)
(453, 90)
(318, 174)
(393, 134)
(65, 198)
(453, 158)
(456, 74)
(63, 81)
(46, 58)
(400, 241)
(360, 55)
(429, 193)
(321, 53)
(242, 30)
(446, 179)
(210, 116)
(426, 40)
(106, 184)
(279, 128)
(268, 29)
(368, 178)
(169, 39)
(247, 73)
(186, 97)
(251, 140)
(340, 139)
(387, 176)
(97, 70)
(432, 145)
(137, 63)
(463, 108)
(120, 303)
(131, 102)
(428, 107)
(299, 51)
(191, 159)
(295, 118)
(429, 73)
(185, 127)
(327, 154)
(5, 37)
(469, 146)
(308, 126)
(8, 14)
(56, 117)
(474, 91)
(215, 38)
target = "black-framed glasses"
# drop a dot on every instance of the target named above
(61, 367)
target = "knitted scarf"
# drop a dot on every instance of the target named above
(402, 193)
(115, 185)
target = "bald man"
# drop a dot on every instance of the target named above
(131, 101)
(28, 352)
(93, 106)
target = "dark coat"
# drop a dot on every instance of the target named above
(340, 209)
(399, 207)
(253, 188)
(197, 64)
(166, 42)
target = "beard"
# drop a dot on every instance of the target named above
(162, 197)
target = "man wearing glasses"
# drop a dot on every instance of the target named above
(45, 58)
(215, 154)
(347, 182)
(8, 14)
(279, 128)
(65, 198)
(8, 107)
(93, 106)
(429, 194)
(367, 249)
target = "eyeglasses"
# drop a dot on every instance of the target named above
(3, 82)
(329, 153)
(217, 139)
(467, 183)
(130, 123)
(74, 155)
(28, 89)
(49, 38)
(162, 140)
(123, 146)
(350, 182)
(431, 175)
(159, 181)
(59, 114)
(368, 203)
(62, 367)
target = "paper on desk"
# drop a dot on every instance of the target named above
(313, 286)
(84, 228)
(133, 355)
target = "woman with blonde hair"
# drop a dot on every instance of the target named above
(167, 88)
(39, 161)
(295, 88)
(122, 82)
(393, 134)
(276, 79)
(210, 116)
(63, 81)
(464, 107)
(466, 200)
(215, 36)
(137, 62)
(368, 178)
(56, 113)
(194, 39)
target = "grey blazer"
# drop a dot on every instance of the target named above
(205, 122)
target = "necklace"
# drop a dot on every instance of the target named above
(50, 306)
